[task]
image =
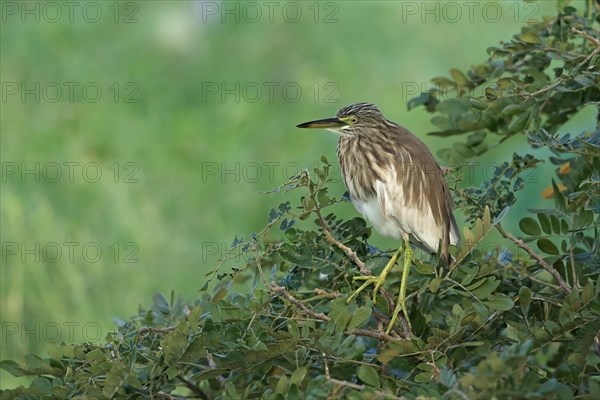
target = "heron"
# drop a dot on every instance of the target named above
(395, 182)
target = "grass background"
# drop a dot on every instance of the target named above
(201, 160)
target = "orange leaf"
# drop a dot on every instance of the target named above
(548, 193)
(564, 169)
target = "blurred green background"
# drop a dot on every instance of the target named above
(149, 130)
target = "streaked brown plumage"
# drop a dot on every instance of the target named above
(371, 153)
(395, 182)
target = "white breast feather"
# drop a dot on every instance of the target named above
(390, 215)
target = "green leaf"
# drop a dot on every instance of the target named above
(547, 246)
(464, 150)
(293, 393)
(172, 371)
(368, 375)
(282, 385)
(587, 294)
(14, 368)
(530, 37)
(474, 236)
(360, 316)
(442, 81)
(423, 268)
(115, 379)
(524, 299)
(561, 4)
(500, 302)
(209, 374)
(467, 319)
(491, 93)
(530, 226)
(434, 285)
(298, 376)
(471, 273)
(477, 104)
(519, 123)
(555, 224)
(340, 318)
(459, 77)
(396, 349)
(423, 377)
(545, 223)
(293, 328)
(564, 227)
(95, 356)
(231, 392)
(486, 289)
(323, 197)
(513, 109)
(441, 122)
(559, 198)
(161, 304)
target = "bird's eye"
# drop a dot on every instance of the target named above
(354, 120)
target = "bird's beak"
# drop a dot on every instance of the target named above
(326, 123)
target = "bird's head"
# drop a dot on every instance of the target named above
(350, 120)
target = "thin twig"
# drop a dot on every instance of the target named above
(322, 294)
(351, 254)
(461, 394)
(520, 243)
(163, 395)
(592, 39)
(347, 250)
(544, 300)
(587, 36)
(376, 335)
(347, 384)
(281, 290)
(559, 81)
(213, 365)
(541, 282)
(355, 386)
(146, 329)
(327, 374)
(447, 170)
(194, 388)
(361, 266)
(544, 89)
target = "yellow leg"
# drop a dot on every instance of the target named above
(401, 304)
(377, 280)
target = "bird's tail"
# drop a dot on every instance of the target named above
(452, 236)
(445, 256)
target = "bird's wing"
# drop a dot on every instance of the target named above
(454, 232)
(412, 217)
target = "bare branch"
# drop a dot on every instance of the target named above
(361, 266)
(381, 394)
(375, 335)
(561, 282)
(347, 250)
(587, 36)
(281, 290)
(146, 329)
(194, 388)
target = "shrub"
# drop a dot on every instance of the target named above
(519, 321)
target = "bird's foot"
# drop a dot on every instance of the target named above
(401, 303)
(400, 306)
(368, 280)
(377, 280)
